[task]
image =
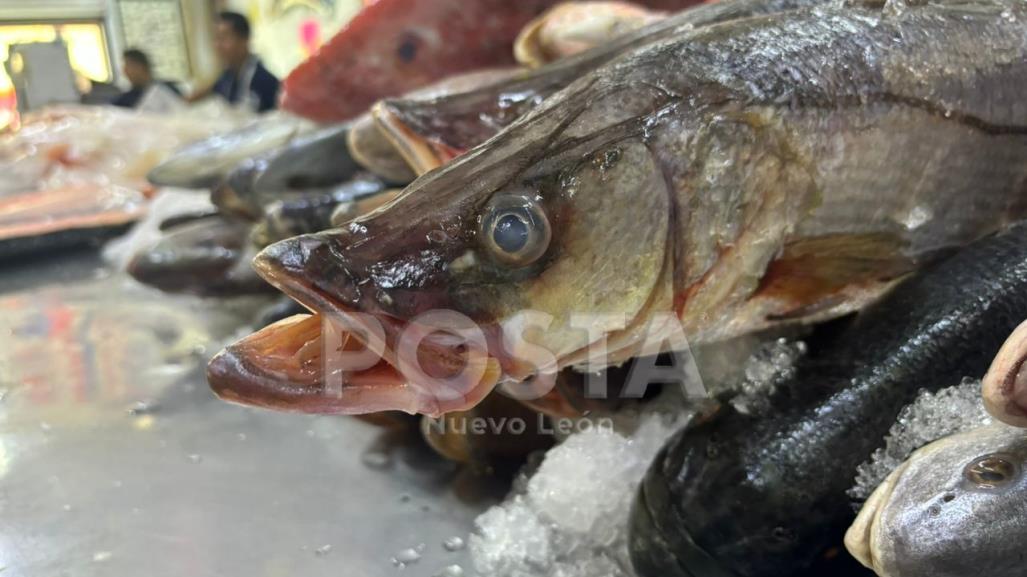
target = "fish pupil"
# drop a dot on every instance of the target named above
(990, 471)
(511, 233)
(407, 50)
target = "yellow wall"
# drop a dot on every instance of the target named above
(281, 28)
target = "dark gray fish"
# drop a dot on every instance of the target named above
(311, 211)
(765, 495)
(316, 161)
(206, 256)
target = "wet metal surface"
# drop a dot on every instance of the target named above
(115, 459)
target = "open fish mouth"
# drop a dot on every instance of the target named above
(342, 361)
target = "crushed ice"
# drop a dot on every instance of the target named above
(570, 518)
(929, 418)
(770, 364)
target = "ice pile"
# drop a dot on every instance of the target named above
(570, 518)
(929, 418)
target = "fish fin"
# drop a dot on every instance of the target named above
(816, 274)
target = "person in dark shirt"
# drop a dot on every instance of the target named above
(139, 73)
(245, 81)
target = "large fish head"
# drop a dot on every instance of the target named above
(529, 248)
(956, 507)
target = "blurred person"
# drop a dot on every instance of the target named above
(245, 81)
(139, 72)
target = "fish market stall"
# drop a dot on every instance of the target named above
(530, 289)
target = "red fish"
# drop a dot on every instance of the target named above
(394, 46)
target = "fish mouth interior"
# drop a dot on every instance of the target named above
(290, 365)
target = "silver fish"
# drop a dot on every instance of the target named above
(205, 163)
(957, 507)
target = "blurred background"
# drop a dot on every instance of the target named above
(176, 34)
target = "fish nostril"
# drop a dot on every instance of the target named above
(949, 498)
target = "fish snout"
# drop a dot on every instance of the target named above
(311, 269)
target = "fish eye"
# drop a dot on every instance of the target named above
(515, 230)
(992, 471)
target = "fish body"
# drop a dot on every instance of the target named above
(298, 214)
(317, 160)
(763, 171)
(311, 162)
(956, 507)
(432, 130)
(394, 46)
(207, 256)
(766, 494)
(205, 163)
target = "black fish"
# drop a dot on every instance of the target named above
(762, 495)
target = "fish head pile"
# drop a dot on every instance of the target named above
(956, 507)
(483, 263)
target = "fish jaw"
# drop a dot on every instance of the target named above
(1005, 384)
(299, 364)
(860, 538)
(280, 368)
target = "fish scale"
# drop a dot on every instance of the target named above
(764, 495)
(692, 179)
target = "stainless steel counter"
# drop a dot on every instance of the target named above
(116, 460)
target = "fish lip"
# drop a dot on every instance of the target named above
(1005, 397)
(242, 373)
(234, 376)
(860, 537)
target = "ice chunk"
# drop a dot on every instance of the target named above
(929, 418)
(770, 364)
(571, 519)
